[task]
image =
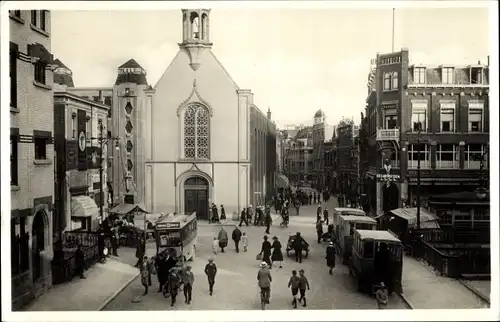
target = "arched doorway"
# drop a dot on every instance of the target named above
(38, 243)
(390, 195)
(196, 196)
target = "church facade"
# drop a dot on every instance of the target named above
(206, 141)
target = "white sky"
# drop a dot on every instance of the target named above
(294, 60)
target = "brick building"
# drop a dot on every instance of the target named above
(32, 154)
(77, 127)
(451, 105)
(347, 135)
(298, 159)
(322, 133)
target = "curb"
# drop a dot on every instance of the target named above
(118, 291)
(475, 291)
(406, 300)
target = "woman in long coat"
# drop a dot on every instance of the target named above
(330, 257)
(266, 252)
(277, 255)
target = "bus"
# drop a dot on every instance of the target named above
(177, 232)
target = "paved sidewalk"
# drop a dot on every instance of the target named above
(103, 283)
(424, 289)
(480, 288)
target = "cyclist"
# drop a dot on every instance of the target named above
(265, 279)
(174, 282)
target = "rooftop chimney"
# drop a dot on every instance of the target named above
(479, 62)
(488, 61)
(269, 113)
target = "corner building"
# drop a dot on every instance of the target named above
(31, 154)
(206, 141)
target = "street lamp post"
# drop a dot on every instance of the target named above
(419, 130)
(102, 141)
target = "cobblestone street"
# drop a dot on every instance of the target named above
(236, 283)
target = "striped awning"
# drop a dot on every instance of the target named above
(281, 181)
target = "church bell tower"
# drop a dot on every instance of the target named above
(195, 34)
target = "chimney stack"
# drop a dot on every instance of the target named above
(479, 62)
(269, 113)
(488, 61)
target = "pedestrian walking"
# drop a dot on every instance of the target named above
(173, 284)
(330, 257)
(161, 272)
(188, 279)
(222, 237)
(266, 252)
(264, 279)
(215, 246)
(319, 230)
(140, 250)
(314, 197)
(215, 214)
(269, 221)
(146, 269)
(211, 272)
(325, 216)
(298, 246)
(222, 213)
(244, 241)
(293, 283)
(243, 217)
(318, 213)
(236, 236)
(382, 296)
(80, 261)
(303, 284)
(277, 255)
(249, 213)
(115, 239)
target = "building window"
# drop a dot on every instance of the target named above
(447, 75)
(424, 156)
(43, 20)
(74, 126)
(33, 17)
(40, 72)
(19, 243)
(13, 74)
(387, 81)
(475, 119)
(473, 155)
(476, 75)
(395, 80)
(41, 148)
(419, 75)
(419, 117)
(13, 160)
(196, 132)
(391, 121)
(87, 129)
(447, 116)
(107, 100)
(447, 156)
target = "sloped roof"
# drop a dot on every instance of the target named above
(60, 64)
(64, 79)
(131, 63)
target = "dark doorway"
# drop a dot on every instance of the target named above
(390, 195)
(196, 197)
(38, 244)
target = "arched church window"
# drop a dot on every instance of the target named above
(196, 132)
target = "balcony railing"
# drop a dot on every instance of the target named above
(424, 164)
(473, 165)
(447, 164)
(387, 134)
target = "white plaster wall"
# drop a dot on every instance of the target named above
(162, 188)
(226, 186)
(215, 87)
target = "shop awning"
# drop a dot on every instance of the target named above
(427, 219)
(126, 208)
(282, 181)
(83, 206)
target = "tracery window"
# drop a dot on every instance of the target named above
(196, 132)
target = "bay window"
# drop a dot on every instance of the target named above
(447, 156)
(472, 156)
(425, 158)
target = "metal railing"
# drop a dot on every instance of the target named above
(424, 164)
(387, 134)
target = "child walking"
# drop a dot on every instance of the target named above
(303, 283)
(244, 240)
(215, 246)
(294, 284)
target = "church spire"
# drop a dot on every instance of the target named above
(195, 34)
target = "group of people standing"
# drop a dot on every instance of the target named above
(213, 217)
(262, 217)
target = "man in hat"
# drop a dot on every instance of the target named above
(188, 278)
(236, 236)
(264, 279)
(382, 296)
(330, 256)
(298, 245)
(211, 271)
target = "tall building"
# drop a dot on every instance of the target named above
(31, 154)
(322, 133)
(347, 156)
(298, 160)
(441, 111)
(205, 139)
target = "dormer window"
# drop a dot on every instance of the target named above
(476, 75)
(419, 75)
(447, 75)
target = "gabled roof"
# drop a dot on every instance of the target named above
(131, 63)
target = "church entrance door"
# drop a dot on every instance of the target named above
(196, 196)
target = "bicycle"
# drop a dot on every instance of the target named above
(264, 297)
(166, 288)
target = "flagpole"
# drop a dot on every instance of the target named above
(393, 14)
